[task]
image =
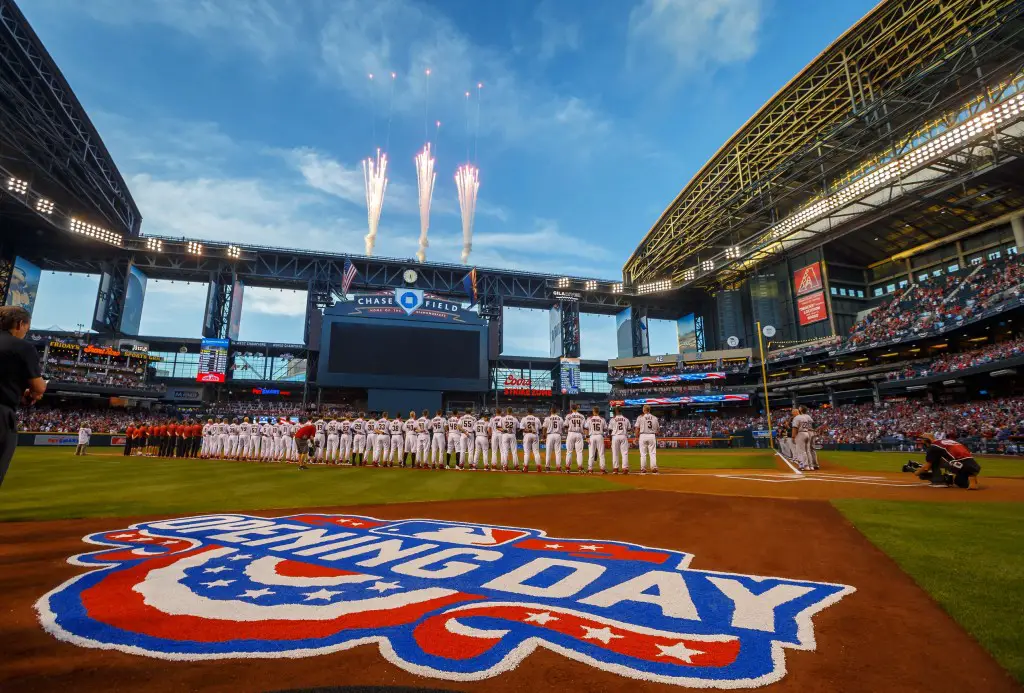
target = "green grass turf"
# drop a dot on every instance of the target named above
(991, 465)
(46, 484)
(968, 556)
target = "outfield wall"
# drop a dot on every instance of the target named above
(41, 439)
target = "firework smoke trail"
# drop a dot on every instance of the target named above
(467, 181)
(425, 177)
(375, 178)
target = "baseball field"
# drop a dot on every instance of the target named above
(726, 570)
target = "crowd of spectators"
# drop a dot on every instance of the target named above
(955, 362)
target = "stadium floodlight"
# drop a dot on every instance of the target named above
(44, 206)
(17, 186)
(732, 252)
(654, 287)
(562, 283)
(155, 244)
(707, 265)
(689, 275)
(617, 288)
(234, 252)
(590, 285)
(194, 248)
(92, 231)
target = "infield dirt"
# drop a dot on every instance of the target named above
(883, 637)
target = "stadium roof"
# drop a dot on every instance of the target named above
(865, 100)
(46, 138)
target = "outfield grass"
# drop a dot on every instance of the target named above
(991, 465)
(969, 557)
(45, 484)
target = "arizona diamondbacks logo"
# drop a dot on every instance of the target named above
(450, 600)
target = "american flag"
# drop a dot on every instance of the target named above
(347, 276)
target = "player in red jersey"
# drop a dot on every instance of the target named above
(303, 440)
(946, 454)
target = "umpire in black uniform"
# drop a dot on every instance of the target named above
(20, 379)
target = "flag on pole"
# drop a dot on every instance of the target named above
(347, 275)
(469, 284)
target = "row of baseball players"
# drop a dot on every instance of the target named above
(459, 440)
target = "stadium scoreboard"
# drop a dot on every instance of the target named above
(569, 375)
(213, 361)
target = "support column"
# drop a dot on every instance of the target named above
(1017, 224)
(875, 395)
(831, 397)
(224, 292)
(6, 271)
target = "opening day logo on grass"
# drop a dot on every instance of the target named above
(449, 600)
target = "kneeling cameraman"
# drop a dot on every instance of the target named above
(944, 454)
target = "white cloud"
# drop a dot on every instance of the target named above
(557, 35)
(696, 34)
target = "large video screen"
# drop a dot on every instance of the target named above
(384, 349)
(213, 361)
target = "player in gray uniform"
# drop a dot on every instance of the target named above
(553, 442)
(802, 428)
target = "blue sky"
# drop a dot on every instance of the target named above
(246, 120)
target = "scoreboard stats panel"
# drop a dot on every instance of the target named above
(213, 361)
(569, 375)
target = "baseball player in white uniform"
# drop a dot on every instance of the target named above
(467, 437)
(619, 426)
(531, 439)
(267, 443)
(396, 427)
(482, 431)
(438, 424)
(277, 451)
(495, 428)
(231, 452)
(647, 440)
(320, 438)
(409, 449)
(222, 439)
(287, 440)
(595, 448)
(371, 437)
(574, 424)
(84, 434)
(333, 429)
(553, 442)
(453, 440)
(359, 440)
(204, 449)
(423, 439)
(381, 441)
(345, 440)
(509, 426)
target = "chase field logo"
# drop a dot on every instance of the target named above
(409, 299)
(454, 601)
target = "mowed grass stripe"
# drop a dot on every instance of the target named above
(991, 465)
(968, 556)
(45, 484)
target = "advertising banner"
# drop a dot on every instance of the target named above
(812, 308)
(134, 298)
(235, 315)
(55, 439)
(807, 279)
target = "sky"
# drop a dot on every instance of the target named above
(246, 121)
